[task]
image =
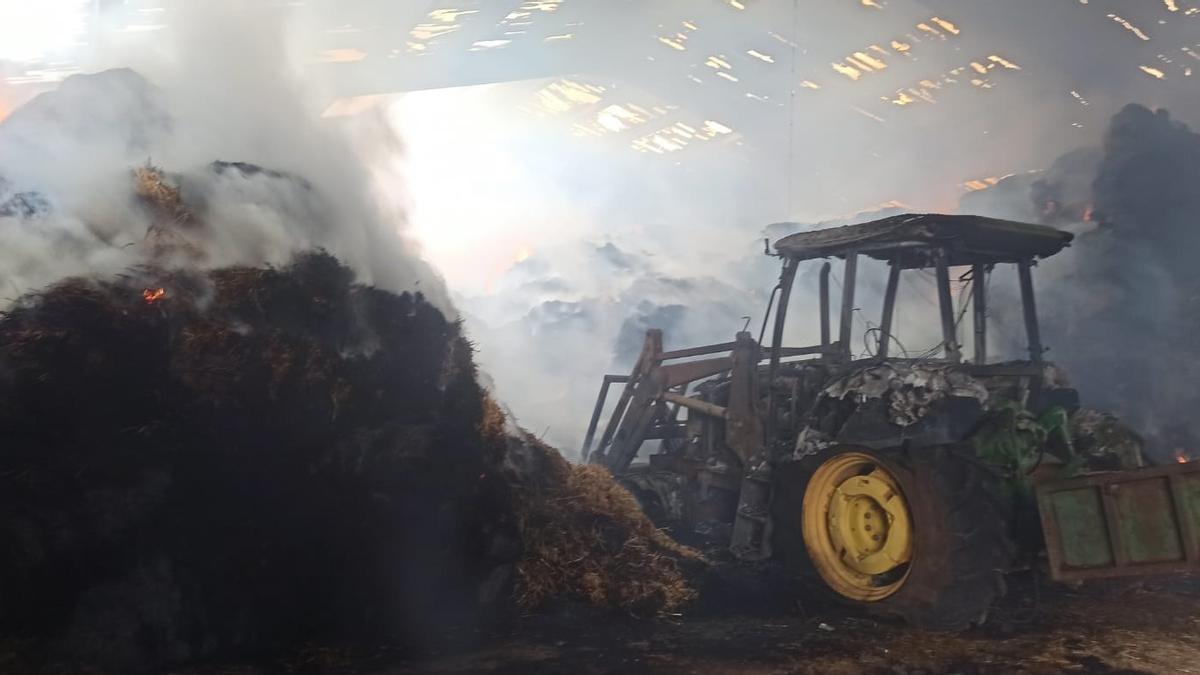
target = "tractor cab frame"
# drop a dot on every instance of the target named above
(656, 390)
(906, 484)
(928, 241)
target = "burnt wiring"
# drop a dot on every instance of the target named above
(965, 300)
(873, 336)
(883, 335)
(857, 310)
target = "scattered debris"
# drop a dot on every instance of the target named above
(909, 389)
(1105, 440)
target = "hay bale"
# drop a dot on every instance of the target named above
(587, 539)
(169, 215)
(153, 189)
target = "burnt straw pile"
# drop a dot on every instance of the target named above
(197, 462)
(586, 539)
(242, 460)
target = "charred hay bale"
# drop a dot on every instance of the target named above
(587, 539)
(170, 217)
(309, 297)
(160, 196)
(65, 349)
(250, 459)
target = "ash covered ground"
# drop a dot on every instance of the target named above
(1108, 628)
(1126, 628)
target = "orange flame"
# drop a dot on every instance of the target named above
(1088, 213)
(153, 295)
(1181, 457)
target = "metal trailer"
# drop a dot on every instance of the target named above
(1122, 523)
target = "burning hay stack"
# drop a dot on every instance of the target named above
(202, 457)
(247, 458)
(202, 462)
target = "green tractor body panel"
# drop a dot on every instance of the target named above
(1122, 523)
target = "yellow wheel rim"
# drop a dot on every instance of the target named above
(857, 527)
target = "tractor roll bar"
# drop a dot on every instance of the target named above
(1030, 309)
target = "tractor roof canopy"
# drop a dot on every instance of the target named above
(911, 240)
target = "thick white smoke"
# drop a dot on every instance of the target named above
(226, 83)
(691, 219)
(560, 249)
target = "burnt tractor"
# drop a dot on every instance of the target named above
(907, 483)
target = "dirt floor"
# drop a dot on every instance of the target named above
(1114, 627)
(1147, 627)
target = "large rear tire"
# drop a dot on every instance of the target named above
(940, 543)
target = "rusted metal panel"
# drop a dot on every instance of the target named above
(787, 352)
(744, 428)
(609, 380)
(650, 356)
(683, 373)
(697, 351)
(1126, 523)
(1082, 530)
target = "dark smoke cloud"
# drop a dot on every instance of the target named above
(1147, 181)
(1121, 308)
(1063, 194)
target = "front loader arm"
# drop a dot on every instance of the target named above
(642, 412)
